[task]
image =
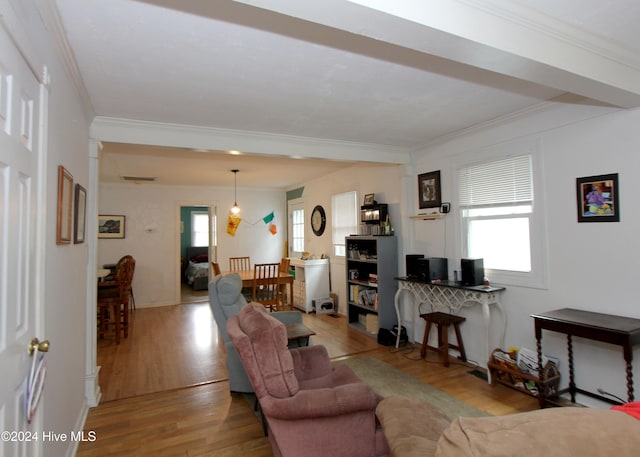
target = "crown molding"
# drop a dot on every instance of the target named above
(51, 18)
(210, 138)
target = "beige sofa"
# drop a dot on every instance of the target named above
(414, 428)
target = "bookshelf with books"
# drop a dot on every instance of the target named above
(372, 265)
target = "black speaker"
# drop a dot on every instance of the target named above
(413, 270)
(433, 268)
(472, 272)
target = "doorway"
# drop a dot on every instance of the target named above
(198, 248)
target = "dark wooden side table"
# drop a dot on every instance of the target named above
(607, 328)
(298, 334)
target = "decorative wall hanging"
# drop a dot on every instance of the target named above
(429, 190)
(232, 224)
(598, 198)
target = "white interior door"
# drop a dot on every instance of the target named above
(22, 120)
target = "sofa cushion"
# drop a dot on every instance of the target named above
(570, 431)
(228, 289)
(268, 338)
(411, 427)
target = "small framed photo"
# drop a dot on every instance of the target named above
(368, 199)
(65, 206)
(598, 198)
(429, 190)
(80, 219)
(110, 226)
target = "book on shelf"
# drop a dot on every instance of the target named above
(354, 291)
(368, 298)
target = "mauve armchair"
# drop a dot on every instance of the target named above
(226, 300)
(311, 408)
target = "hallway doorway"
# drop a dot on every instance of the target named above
(197, 230)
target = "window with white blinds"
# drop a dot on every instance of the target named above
(344, 220)
(505, 182)
(498, 218)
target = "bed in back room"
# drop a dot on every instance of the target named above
(197, 271)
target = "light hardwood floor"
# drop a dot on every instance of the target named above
(165, 388)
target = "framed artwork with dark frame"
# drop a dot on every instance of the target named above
(110, 226)
(369, 199)
(598, 198)
(65, 206)
(79, 214)
(429, 190)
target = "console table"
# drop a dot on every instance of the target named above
(452, 296)
(607, 328)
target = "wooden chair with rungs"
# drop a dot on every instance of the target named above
(239, 263)
(443, 321)
(113, 301)
(284, 268)
(266, 285)
(215, 268)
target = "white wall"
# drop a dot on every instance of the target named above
(592, 266)
(157, 258)
(382, 180)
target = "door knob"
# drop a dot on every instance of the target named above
(37, 345)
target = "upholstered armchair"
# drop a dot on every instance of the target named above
(226, 300)
(311, 408)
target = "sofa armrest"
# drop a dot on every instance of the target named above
(326, 402)
(288, 317)
(311, 362)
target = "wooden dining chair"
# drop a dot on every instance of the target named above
(113, 302)
(215, 268)
(266, 285)
(239, 263)
(284, 268)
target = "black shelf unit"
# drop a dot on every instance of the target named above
(371, 257)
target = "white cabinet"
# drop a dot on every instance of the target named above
(311, 282)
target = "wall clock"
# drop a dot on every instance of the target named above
(318, 220)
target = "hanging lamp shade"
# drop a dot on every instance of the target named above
(235, 209)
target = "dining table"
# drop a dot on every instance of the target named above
(247, 280)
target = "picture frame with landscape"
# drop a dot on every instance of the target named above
(111, 226)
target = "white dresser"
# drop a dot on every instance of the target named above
(312, 282)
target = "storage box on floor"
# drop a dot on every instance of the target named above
(370, 322)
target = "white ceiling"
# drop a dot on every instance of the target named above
(283, 78)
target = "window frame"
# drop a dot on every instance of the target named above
(538, 277)
(194, 215)
(296, 205)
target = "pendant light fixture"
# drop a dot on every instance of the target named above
(235, 209)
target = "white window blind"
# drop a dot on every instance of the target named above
(504, 182)
(344, 221)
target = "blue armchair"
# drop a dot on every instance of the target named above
(226, 300)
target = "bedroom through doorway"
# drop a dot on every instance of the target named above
(198, 248)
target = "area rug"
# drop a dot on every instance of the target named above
(389, 381)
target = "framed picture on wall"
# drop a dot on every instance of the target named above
(429, 190)
(65, 206)
(368, 199)
(110, 226)
(598, 198)
(80, 219)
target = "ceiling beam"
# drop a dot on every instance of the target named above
(493, 35)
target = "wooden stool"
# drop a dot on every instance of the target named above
(443, 321)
